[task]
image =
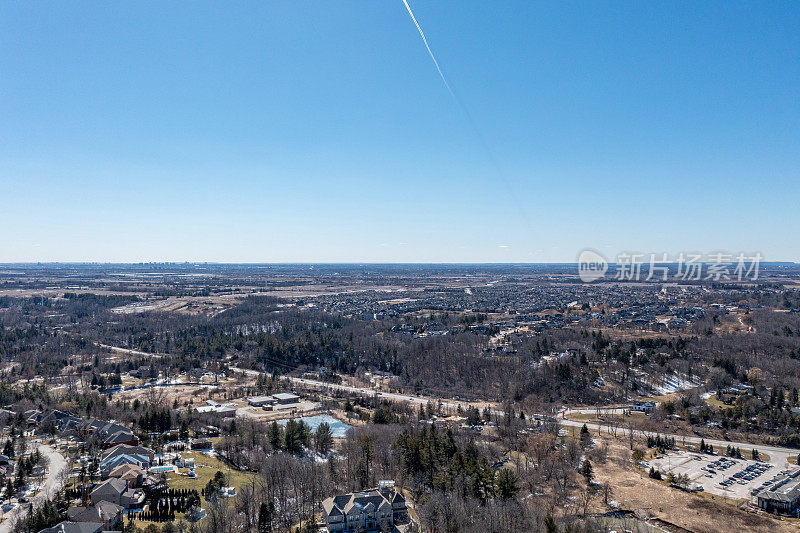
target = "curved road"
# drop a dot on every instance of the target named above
(56, 466)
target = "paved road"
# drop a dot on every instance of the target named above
(596, 410)
(420, 400)
(777, 455)
(117, 349)
(57, 465)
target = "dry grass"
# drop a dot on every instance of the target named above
(702, 513)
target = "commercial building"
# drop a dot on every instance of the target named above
(783, 497)
(285, 397)
(260, 401)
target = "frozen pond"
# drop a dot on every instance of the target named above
(338, 429)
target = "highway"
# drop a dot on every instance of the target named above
(596, 410)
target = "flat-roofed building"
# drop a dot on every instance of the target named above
(286, 397)
(223, 411)
(260, 401)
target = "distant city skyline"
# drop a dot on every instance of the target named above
(322, 131)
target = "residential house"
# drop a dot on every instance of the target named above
(117, 491)
(109, 433)
(127, 449)
(184, 462)
(125, 436)
(107, 465)
(370, 510)
(643, 407)
(107, 513)
(67, 425)
(133, 474)
(75, 527)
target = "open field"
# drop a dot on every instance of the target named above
(205, 468)
(697, 512)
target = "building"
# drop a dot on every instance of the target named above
(643, 407)
(286, 397)
(68, 526)
(219, 409)
(260, 401)
(370, 510)
(783, 497)
(117, 491)
(106, 513)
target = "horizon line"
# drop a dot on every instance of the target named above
(187, 262)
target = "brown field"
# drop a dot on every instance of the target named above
(701, 513)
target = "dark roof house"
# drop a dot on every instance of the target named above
(117, 491)
(74, 527)
(370, 510)
(106, 513)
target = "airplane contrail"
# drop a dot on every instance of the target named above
(430, 52)
(468, 115)
(463, 107)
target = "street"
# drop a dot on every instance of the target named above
(777, 455)
(56, 466)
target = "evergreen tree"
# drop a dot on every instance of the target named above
(274, 435)
(587, 471)
(506, 484)
(323, 438)
(265, 514)
(586, 437)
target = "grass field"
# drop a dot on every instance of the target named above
(713, 402)
(205, 469)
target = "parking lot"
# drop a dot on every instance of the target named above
(724, 476)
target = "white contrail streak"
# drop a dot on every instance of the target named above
(468, 116)
(430, 52)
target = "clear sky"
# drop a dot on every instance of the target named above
(321, 131)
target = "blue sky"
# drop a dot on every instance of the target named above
(321, 131)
